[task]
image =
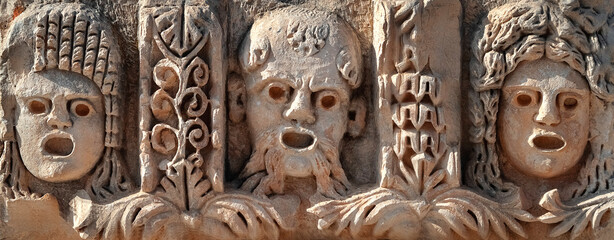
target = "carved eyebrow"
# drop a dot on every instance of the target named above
(81, 95)
(319, 86)
(28, 91)
(25, 99)
(511, 89)
(268, 77)
(32, 93)
(516, 88)
(264, 82)
(574, 90)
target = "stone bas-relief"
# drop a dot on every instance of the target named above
(182, 141)
(556, 100)
(298, 113)
(67, 98)
(61, 105)
(250, 113)
(52, 119)
(419, 193)
(540, 112)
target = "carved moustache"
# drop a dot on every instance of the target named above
(265, 171)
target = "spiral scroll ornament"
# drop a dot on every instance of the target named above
(181, 110)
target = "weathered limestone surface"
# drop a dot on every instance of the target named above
(306, 119)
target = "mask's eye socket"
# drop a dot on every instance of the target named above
(525, 98)
(568, 102)
(327, 99)
(38, 105)
(81, 108)
(277, 92)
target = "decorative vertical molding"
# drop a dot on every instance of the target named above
(183, 129)
(182, 102)
(418, 55)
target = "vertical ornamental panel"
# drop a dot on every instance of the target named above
(182, 110)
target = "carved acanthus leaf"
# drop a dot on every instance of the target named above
(247, 217)
(397, 214)
(185, 185)
(132, 217)
(575, 216)
(480, 214)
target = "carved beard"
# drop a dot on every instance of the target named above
(264, 173)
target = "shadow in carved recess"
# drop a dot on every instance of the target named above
(542, 78)
(61, 117)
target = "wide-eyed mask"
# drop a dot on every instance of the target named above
(544, 118)
(60, 124)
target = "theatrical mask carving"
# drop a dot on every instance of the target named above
(300, 69)
(420, 194)
(248, 119)
(542, 82)
(544, 118)
(63, 62)
(56, 110)
(540, 111)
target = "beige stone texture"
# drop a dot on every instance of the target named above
(306, 119)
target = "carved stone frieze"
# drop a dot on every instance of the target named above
(306, 119)
(420, 193)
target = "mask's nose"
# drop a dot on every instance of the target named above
(548, 112)
(300, 109)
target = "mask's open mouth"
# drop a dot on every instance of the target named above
(58, 145)
(301, 139)
(550, 142)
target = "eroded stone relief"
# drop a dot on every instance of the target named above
(541, 79)
(182, 120)
(298, 114)
(251, 115)
(419, 192)
(68, 84)
(66, 81)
